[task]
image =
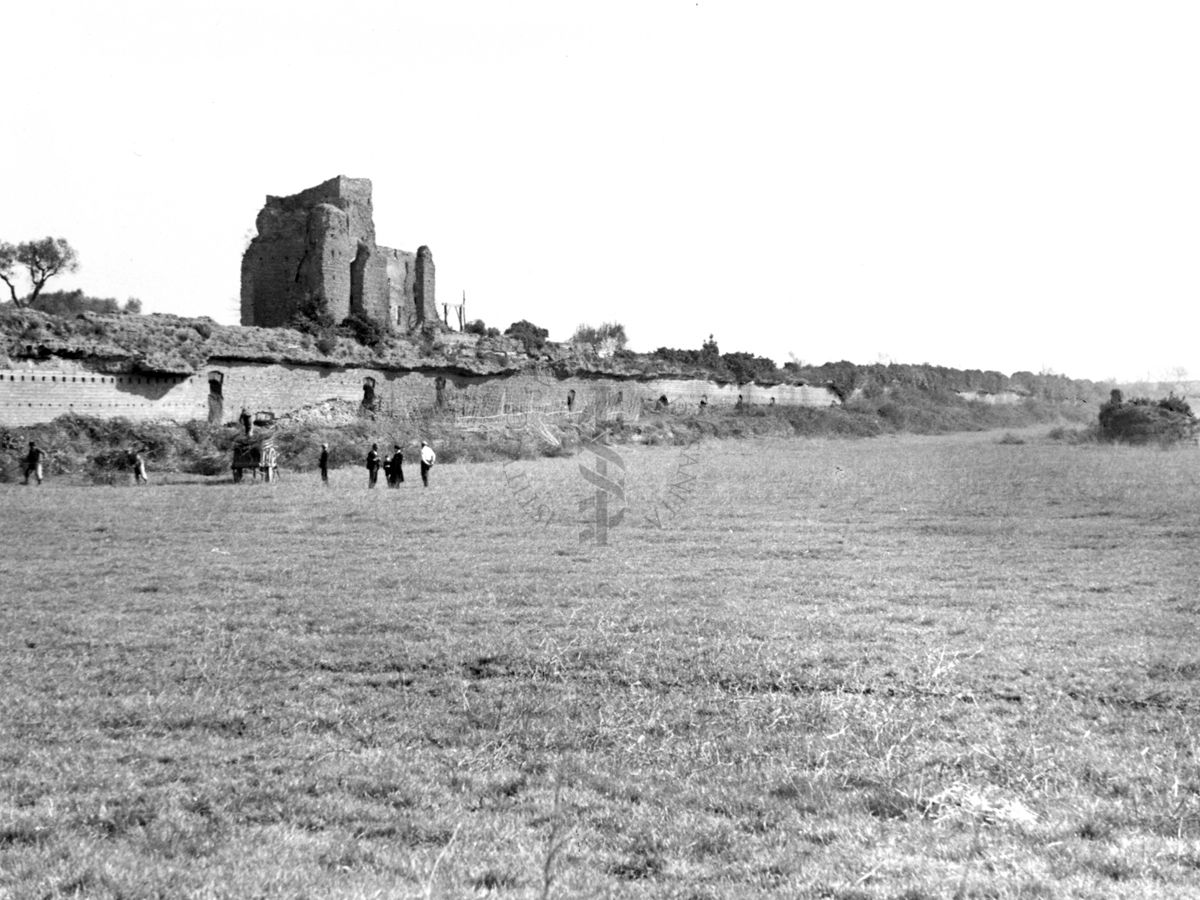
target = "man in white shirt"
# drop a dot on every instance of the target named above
(428, 458)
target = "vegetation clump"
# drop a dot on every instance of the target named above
(365, 330)
(606, 339)
(481, 328)
(73, 303)
(533, 337)
(93, 449)
(737, 367)
(1142, 420)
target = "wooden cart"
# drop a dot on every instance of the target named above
(255, 453)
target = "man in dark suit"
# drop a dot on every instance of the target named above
(373, 466)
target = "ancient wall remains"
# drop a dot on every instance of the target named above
(401, 278)
(316, 250)
(41, 391)
(424, 296)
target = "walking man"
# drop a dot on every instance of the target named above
(246, 421)
(396, 473)
(428, 458)
(139, 467)
(373, 466)
(33, 462)
(323, 462)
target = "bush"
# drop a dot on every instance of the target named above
(1143, 423)
(609, 335)
(313, 317)
(478, 327)
(1175, 404)
(366, 331)
(533, 337)
(746, 367)
(72, 303)
(97, 448)
(1141, 420)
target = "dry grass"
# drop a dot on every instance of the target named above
(903, 668)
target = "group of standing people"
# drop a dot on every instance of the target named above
(392, 464)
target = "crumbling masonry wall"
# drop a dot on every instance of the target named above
(43, 390)
(315, 252)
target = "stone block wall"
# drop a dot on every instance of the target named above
(326, 266)
(401, 277)
(45, 390)
(41, 393)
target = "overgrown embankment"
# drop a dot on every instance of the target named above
(92, 449)
(878, 399)
(175, 345)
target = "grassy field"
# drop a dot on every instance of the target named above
(915, 667)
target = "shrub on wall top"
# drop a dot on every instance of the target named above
(366, 331)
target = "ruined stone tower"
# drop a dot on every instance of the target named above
(316, 250)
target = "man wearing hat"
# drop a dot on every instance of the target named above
(396, 468)
(428, 458)
(373, 462)
(33, 462)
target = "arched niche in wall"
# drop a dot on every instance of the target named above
(216, 397)
(368, 400)
(571, 400)
(439, 389)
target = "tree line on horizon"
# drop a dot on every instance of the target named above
(845, 377)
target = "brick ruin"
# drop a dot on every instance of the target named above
(316, 252)
(40, 390)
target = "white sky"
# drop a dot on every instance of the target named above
(990, 185)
